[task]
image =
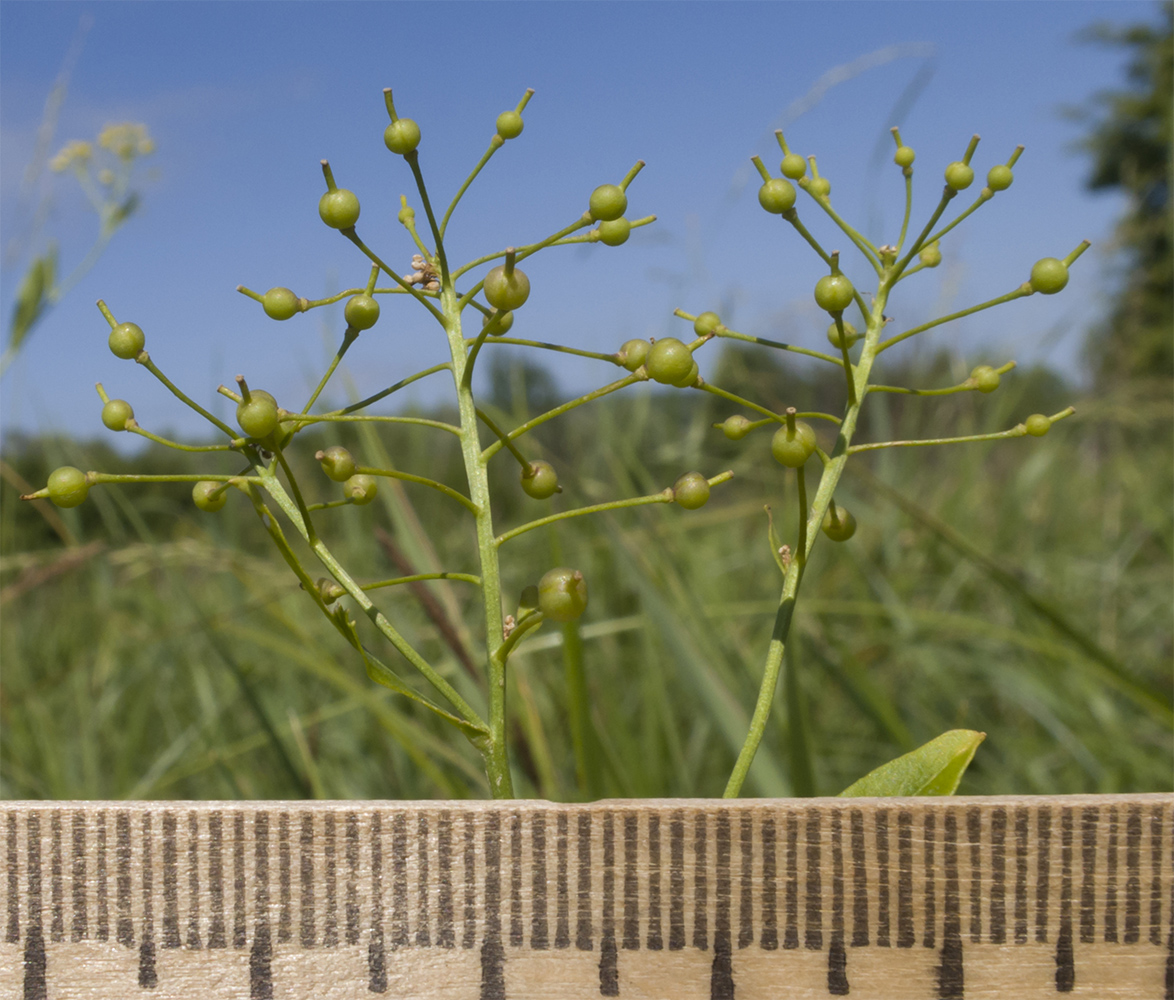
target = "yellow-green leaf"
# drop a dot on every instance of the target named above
(935, 768)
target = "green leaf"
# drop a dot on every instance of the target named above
(935, 768)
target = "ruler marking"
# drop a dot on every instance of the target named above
(539, 929)
(974, 837)
(583, 916)
(1169, 994)
(1089, 818)
(171, 938)
(655, 938)
(700, 883)
(193, 863)
(631, 940)
(746, 901)
(1022, 829)
(1133, 876)
(883, 917)
(813, 929)
(376, 958)
(423, 919)
(239, 926)
(722, 973)
(261, 952)
(770, 930)
(609, 976)
(35, 985)
(492, 950)
(951, 973)
(1065, 961)
(284, 880)
(1156, 876)
(677, 881)
(1043, 818)
(930, 916)
(517, 932)
(12, 933)
(837, 956)
(399, 881)
(445, 933)
(330, 924)
(859, 881)
(998, 909)
(307, 930)
(79, 927)
(791, 933)
(562, 933)
(216, 935)
(124, 928)
(56, 893)
(906, 937)
(148, 975)
(352, 876)
(1111, 879)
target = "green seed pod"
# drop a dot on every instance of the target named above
(126, 341)
(360, 489)
(338, 463)
(361, 312)
(615, 231)
(329, 590)
(280, 303)
(838, 524)
(793, 449)
(116, 413)
(68, 486)
(777, 196)
(904, 156)
(258, 417)
(506, 291)
(793, 166)
(542, 481)
(689, 378)
(402, 136)
(931, 256)
(833, 292)
(706, 323)
(405, 215)
(528, 602)
(1037, 425)
(633, 353)
(668, 361)
(562, 594)
(202, 496)
(510, 124)
(986, 379)
(608, 202)
(850, 335)
(1048, 276)
(503, 327)
(691, 490)
(959, 175)
(736, 427)
(999, 177)
(339, 208)
(821, 187)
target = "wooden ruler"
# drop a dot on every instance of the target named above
(1016, 897)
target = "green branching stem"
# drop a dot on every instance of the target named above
(413, 159)
(523, 461)
(908, 208)
(985, 195)
(350, 419)
(419, 296)
(133, 428)
(407, 477)
(418, 577)
(861, 243)
(664, 496)
(594, 355)
(729, 334)
(948, 194)
(969, 385)
(1019, 430)
(494, 145)
(144, 359)
(1019, 293)
(348, 338)
(384, 393)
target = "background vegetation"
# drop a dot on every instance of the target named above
(1021, 588)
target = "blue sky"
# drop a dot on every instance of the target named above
(244, 99)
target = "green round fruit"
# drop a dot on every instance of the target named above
(503, 327)
(821, 187)
(689, 378)
(735, 427)
(633, 353)
(999, 177)
(1037, 425)
(793, 450)
(986, 379)
(402, 136)
(360, 489)
(338, 463)
(1048, 276)
(608, 202)
(615, 231)
(562, 594)
(280, 303)
(202, 496)
(706, 323)
(668, 361)
(691, 491)
(930, 256)
(542, 481)
(126, 341)
(850, 335)
(777, 196)
(116, 413)
(959, 175)
(68, 486)
(506, 291)
(841, 527)
(339, 209)
(258, 417)
(904, 156)
(361, 312)
(793, 166)
(833, 292)
(510, 124)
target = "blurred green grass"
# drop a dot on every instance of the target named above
(1022, 588)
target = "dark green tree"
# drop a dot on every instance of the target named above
(1129, 140)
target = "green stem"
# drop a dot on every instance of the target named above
(363, 403)
(523, 461)
(1019, 293)
(1019, 430)
(182, 447)
(419, 296)
(551, 347)
(407, 477)
(733, 335)
(415, 578)
(348, 338)
(908, 210)
(578, 710)
(144, 359)
(494, 146)
(347, 419)
(947, 196)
